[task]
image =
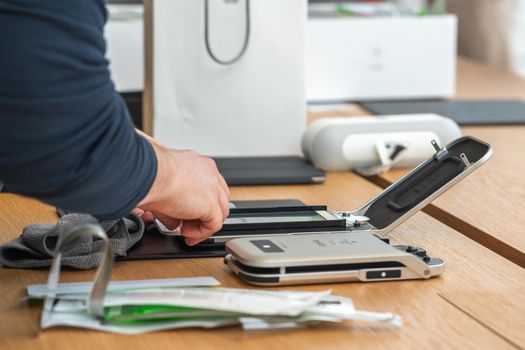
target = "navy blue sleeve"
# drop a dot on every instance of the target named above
(66, 137)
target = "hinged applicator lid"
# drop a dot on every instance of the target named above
(411, 193)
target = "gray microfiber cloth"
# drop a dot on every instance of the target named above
(35, 247)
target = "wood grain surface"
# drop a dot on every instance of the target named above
(476, 80)
(438, 313)
(489, 205)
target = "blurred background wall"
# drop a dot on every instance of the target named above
(492, 31)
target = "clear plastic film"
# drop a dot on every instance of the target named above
(173, 305)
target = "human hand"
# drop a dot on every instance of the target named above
(146, 216)
(189, 188)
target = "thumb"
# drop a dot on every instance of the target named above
(169, 222)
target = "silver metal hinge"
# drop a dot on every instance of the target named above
(465, 160)
(354, 220)
(440, 152)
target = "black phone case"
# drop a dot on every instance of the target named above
(155, 245)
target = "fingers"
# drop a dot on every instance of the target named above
(192, 241)
(224, 196)
(138, 211)
(224, 204)
(223, 184)
(148, 217)
(212, 223)
(196, 193)
(196, 231)
(170, 223)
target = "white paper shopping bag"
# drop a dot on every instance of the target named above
(226, 77)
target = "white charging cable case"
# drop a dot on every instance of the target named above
(370, 145)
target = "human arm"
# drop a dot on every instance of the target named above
(65, 134)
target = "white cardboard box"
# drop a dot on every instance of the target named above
(381, 58)
(348, 58)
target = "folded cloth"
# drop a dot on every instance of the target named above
(35, 247)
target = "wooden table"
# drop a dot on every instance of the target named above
(488, 206)
(477, 303)
(474, 304)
